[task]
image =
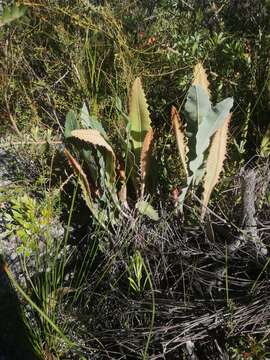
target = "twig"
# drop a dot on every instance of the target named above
(11, 118)
(42, 142)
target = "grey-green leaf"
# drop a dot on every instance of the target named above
(70, 124)
(84, 117)
(197, 107)
(91, 122)
(202, 122)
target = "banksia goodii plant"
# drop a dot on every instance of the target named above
(203, 120)
(108, 173)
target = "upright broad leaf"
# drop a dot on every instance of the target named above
(180, 136)
(200, 78)
(145, 158)
(91, 122)
(84, 117)
(214, 162)
(197, 108)
(94, 137)
(202, 121)
(139, 118)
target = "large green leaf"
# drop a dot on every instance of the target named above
(203, 120)
(139, 117)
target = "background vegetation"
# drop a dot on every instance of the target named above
(135, 288)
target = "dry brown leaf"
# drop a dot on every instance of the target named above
(145, 158)
(94, 137)
(122, 193)
(214, 164)
(180, 136)
(200, 77)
